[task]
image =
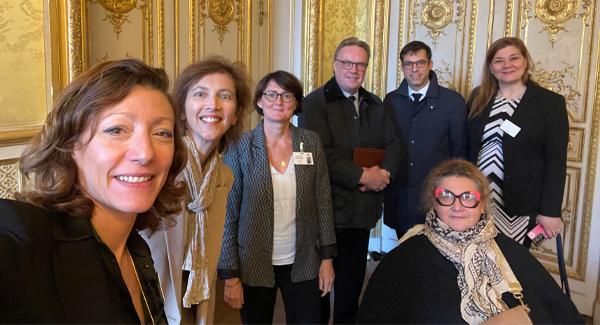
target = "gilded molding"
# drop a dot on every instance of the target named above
(590, 177)
(10, 179)
(380, 44)
(524, 14)
(147, 32)
(117, 12)
(76, 29)
(575, 145)
(245, 33)
(508, 18)
(554, 14)
(436, 15)
(555, 81)
(470, 55)
(312, 43)
(401, 42)
(193, 39)
(222, 13)
(412, 13)
(160, 12)
(490, 22)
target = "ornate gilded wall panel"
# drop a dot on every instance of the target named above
(32, 43)
(223, 27)
(23, 80)
(327, 22)
(547, 252)
(575, 147)
(448, 27)
(10, 179)
(130, 28)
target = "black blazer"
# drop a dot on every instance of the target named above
(53, 269)
(535, 159)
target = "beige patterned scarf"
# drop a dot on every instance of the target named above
(483, 272)
(201, 187)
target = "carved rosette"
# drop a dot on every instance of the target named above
(117, 12)
(436, 15)
(222, 13)
(554, 14)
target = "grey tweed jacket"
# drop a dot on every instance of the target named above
(248, 238)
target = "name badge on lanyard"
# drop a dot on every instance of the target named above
(302, 158)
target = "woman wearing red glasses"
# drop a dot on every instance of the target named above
(457, 268)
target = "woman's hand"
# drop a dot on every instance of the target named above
(552, 225)
(326, 276)
(234, 293)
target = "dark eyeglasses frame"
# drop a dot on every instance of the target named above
(419, 64)
(279, 95)
(347, 65)
(438, 192)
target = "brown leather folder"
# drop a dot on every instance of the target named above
(367, 157)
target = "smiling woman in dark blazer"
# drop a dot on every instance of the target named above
(279, 231)
(103, 167)
(518, 134)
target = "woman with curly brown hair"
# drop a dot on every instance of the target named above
(103, 166)
(211, 97)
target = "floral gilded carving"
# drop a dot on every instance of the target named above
(117, 12)
(555, 13)
(222, 13)
(555, 81)
(445, 76)
(436, 15)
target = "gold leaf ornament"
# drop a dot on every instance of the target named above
(221, 12)
(118, 12)
(554, 14)
(436, 15)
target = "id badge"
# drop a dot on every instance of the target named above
(511, 128)
(303, 158)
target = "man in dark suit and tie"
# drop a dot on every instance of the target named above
(430, 122)
(347, 116)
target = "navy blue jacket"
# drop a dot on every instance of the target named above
(429, 134)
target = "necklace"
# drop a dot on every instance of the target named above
(282, 163)
(141, 289)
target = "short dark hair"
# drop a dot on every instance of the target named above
(353, 41)
(48, 159)
(285, 80)
(209, 65)
(414, 47)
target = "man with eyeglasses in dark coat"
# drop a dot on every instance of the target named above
(347, 116)
(430, 123)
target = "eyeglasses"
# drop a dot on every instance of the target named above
(419, 64)
(272, 96)
(347, 65)
(467, 199)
